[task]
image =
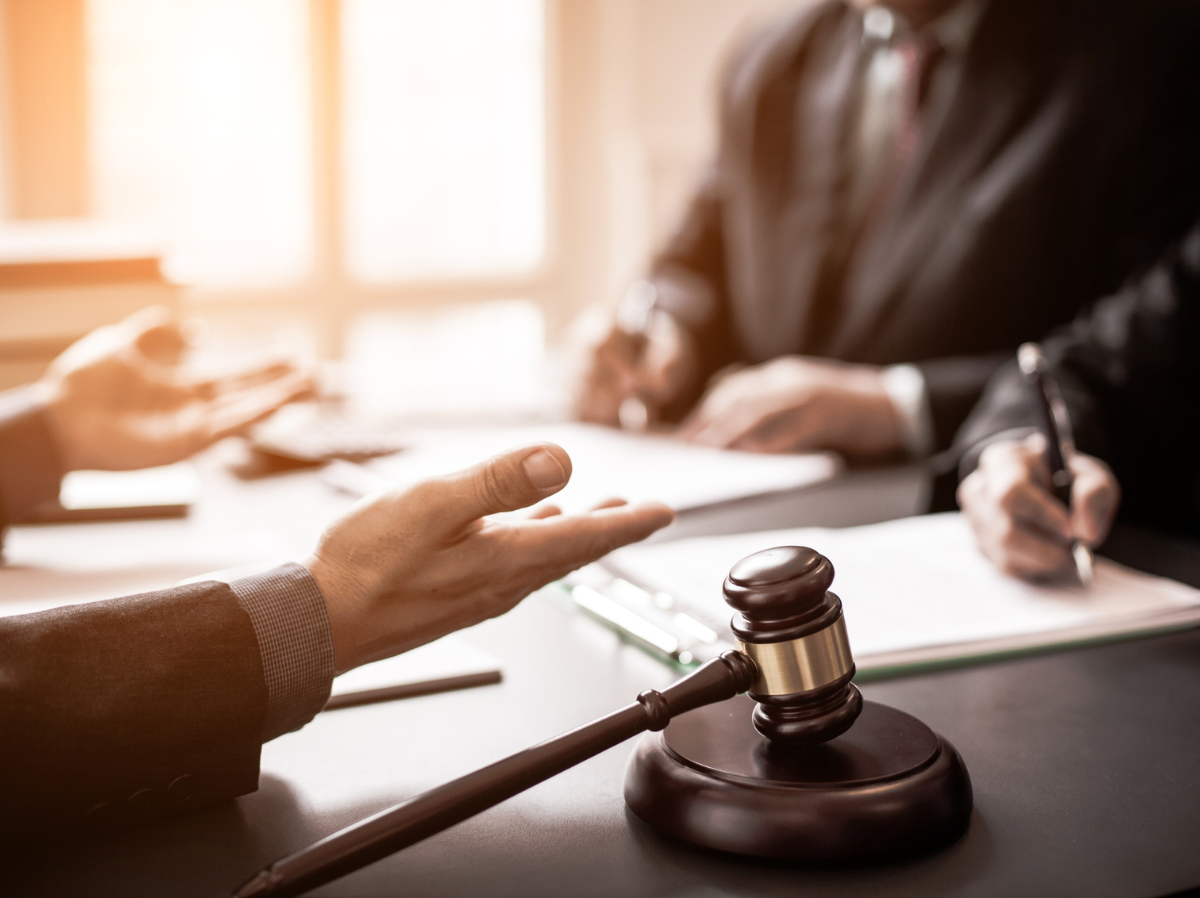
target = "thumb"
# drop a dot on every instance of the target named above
(1095, 496)
(514, 479)
(156, 333)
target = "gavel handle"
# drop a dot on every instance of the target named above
(431, 812)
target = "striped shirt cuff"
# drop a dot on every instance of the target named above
(289, 618)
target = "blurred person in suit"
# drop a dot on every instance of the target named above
(128, 709)
(901, 195)
(1129, 375)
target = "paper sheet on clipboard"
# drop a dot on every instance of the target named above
(917, 591)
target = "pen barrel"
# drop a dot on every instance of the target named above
(440, 808)
(1032, 363)
(1062, 491)
(1044, 413)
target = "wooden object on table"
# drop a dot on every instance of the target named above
(431, 812)
(792, 626)
(802, 768)
(819, 775)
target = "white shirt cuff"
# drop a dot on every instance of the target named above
(905, 386)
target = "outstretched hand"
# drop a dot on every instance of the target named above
(407, 566)
(1019, 524)
(119, 398)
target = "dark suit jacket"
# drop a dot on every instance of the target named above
(127, 709)
(1063, 159)
(1129, 373)
(121, 710)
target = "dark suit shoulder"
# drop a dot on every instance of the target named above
(125, 709)
(1129, 375)
(770, 50)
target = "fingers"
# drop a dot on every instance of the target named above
(1029, 554)
(1032, 508)
(561, 544)
(609, 503)
(795, 404)
(707, 425)
(654, 367)
(551, 511)
(787, 430)
(701, 416)
(1010, 544)
(1095, 496)
(1017, 523)
(1019, 482)
(252, 374)
(159, 337)
(514, 479)
(609, 380)
(232, 413)
(156, 334)
(746, 426)
(730, 410)
(668, 362)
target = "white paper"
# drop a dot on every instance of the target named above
(66, 563)
(919, 589)
(609, 463)
(450, 656)
(177, 484)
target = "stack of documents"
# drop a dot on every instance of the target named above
(916, 592)
(610, 464)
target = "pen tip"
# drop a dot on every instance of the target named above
(1029, 358)
(1085, 565)
(262, 883)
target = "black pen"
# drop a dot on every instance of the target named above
(1058, 445)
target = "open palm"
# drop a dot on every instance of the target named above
(120, 399)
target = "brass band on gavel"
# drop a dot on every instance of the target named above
(803, 664)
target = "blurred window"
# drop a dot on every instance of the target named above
(202, 129)
(200, 132)
(442, 151)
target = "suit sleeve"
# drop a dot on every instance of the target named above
(127, 709)
(1129, 373)
(690, 272)
(689, 279)
(954, 386)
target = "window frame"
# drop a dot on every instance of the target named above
(328, 297)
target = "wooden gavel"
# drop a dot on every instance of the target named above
(793, 656)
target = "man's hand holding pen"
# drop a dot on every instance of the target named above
(1018, 522)
(646, 359)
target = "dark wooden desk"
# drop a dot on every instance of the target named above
(1086, 767)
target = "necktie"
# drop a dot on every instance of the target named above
(919, 55)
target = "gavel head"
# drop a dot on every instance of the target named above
(791, 626)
